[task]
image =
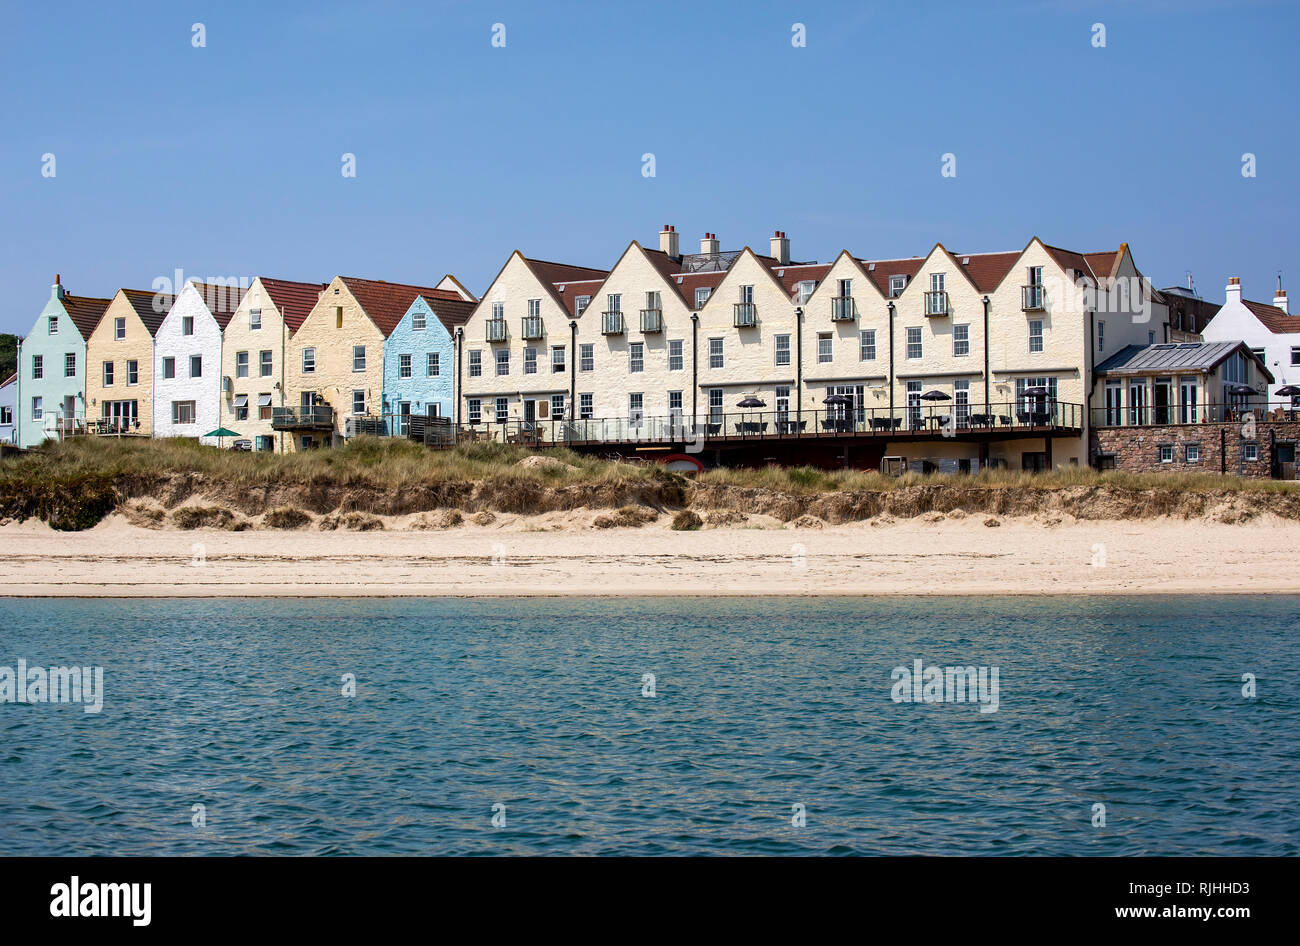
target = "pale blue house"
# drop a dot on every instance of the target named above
(419, 371)
(51, 387)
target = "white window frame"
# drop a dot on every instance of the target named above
(920, 349)
(559, 359)
(476, 363)
(358, 358)
(1036, 336)
(717, 353)
(676, 350)
(433, 365)
(961, 340)
(241, 364)
(867, 344)
(309, 361)
(404, 365)
(636, 357)
(825, 348)
(586, 357)
(781, 350)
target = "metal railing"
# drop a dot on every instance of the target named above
(936, 303)
(746, 315)
(532, 327)
(320, 417)
(496, 330)
(611, 322)
(652, 320)
(1032, 298)
(921, 421)
(843, 309)
(1168, 415)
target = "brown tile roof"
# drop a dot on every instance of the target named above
(451, 312)
(1068, 259)
(294, 300)
(147, 305)
(387, 302)
(571, 291)
(1101, 264)
(85, 312)
(790, 275)
(692, 281)
(1273, 318)
(986, 270)
(891, 267)
(222, 301)
(553, 273)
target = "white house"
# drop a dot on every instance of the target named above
(187, 361)
(1270, 330)
(9, 409)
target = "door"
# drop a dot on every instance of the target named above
(961, 403)
(1187, 395)
(1164, 396)
(1114, 403)
(913, 404)
(404, 418)
(1137, 403)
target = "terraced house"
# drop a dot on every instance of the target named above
(419, 360)
(335, 370)
(948, 361)
(120, 363)
(254, 344)
(51, 386)
(187, 360)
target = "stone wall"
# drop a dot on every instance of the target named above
(1223, 447)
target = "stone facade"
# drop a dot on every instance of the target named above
(1223, 447)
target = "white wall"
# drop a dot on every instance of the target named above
(1235, 322)
(204, 391)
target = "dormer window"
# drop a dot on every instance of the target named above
(580, 304)
(896, 286)
(702, 296)
(805, 289)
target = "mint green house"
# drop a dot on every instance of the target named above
(51, 397)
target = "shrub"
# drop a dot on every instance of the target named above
(286, 517)
(687, 521)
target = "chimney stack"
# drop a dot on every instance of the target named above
(57, 289)
(1233, 291)
(709, 245)
(668, 242)
(781, 248)
(1279, 300)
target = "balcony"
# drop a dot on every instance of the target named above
(746, 315)
(1032, 298)
(611, 323)
(652, 320)
(532, 327)
(496, 330)
(936, 303)
(843, 309)
(302, 418)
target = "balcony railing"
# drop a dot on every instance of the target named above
(497, 331)
(652, 320)
(746, 315)
(532, 327)
(611, 323)
(302, 418)
(843, 309)
(1032, 298)
(1170, 415)
(936, 303)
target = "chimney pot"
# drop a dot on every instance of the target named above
(780, 248)
(668, 242)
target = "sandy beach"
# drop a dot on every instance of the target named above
(560, 554)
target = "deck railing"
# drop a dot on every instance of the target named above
(302, 418)
(1182, 414)
(843, 309)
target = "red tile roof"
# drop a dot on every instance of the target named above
(152, 307)
(790, 275)
(1102, 264)
(294, 300)
(1273, 318)
(692, 281)
(987, 270)
(85, 312)
(885, 268)
(222, 301)
(387, 302)
(553, 273)
(571, 291)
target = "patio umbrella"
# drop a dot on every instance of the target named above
(1036, 391)
(837, 399)
(1243, 389)
(936, 396)
(751, 402)
(220, 433)
(1287, 390)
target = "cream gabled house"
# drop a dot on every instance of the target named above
(253, 369)
(120, 363)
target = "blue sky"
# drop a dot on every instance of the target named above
(225, 160)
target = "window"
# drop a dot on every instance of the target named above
(1295, 355)
(6, 415)
(108, 374)
(715, 353)
(241, 407)
(675, 403)
(586, 357)
(133, 372)
(1036, 334)
(636, 357)
(37, 412)
(824, 350)
(530, 362)
(896, 286)
(913, 343)
(1192, 453)
(961, 403)
(264, 406)
(558, 362)
(169, 367)
(476, 364)
(358, 402)
(358, 357)
(182, 412)
(782, 403)
(308, 361)
(675, 359)
(534, 308)
(119, 329)
(503, 361)
(1151, 338)
(404, 366)
(503, 410)
(635, 409)
(38, 367)
(254, 319)
(417, 320)
(54, 325)
(960, 340)
(1166, 452)
(557, 406)
(586, 410)
(614, 302)
(433, 365)
(196, 366)
(70, 364)
(782, 349)
(806, 287)
(937, 281)
(1250, 452)
(187, 326)
(241, 364)
(338, 316)
(1258, 353)
(475, 409)
(702, 296)
(715, 405)
(867, 345)
(265, 364)
(580, 304)
(1101, 336)
(747, 295)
